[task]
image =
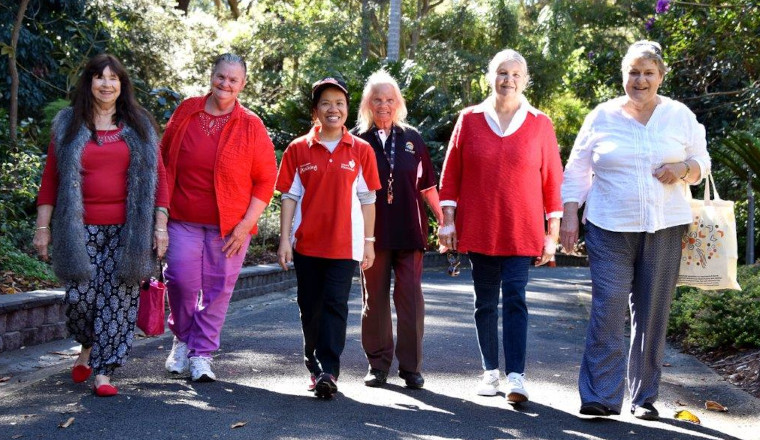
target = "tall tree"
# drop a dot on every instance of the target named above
(394, 30)
(13, 114)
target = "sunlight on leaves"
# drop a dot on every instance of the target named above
(687, 416)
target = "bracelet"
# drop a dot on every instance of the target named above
(162, 209)
(446, 230)
(369, 239)
(688, 170)
(160, 230)
(42, 227)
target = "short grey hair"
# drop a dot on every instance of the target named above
(365, 118)
(503, 56)
(230, 58)
(647, 50)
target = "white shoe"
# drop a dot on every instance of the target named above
(489, 384)
(177, 362)
(515, 391)
(200, 369)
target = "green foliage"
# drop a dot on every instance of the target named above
(713, 52)
(740, 152)
(567, 113)
(20, 170)
(11, 259)
(727, 318)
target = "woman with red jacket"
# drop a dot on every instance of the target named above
(500, 184)
(221, 168)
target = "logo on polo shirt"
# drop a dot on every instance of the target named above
(307, 167)
(348, 166)
(409, 147)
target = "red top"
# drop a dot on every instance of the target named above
(328, 221)
(503, 186)
(104, 181)
(244, 167)
(194, 198)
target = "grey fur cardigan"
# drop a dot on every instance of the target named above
(134, 259)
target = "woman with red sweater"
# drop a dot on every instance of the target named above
(102, 206)
(221, 169)
(500, 185)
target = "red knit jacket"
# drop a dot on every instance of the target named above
(245, 162)
(503, 186)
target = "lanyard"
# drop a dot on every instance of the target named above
(391, 156)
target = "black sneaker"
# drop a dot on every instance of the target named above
(646, 411)
(326, 386)
(413, 380)
(595, 409)
(375, 377)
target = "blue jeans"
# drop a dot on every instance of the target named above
(511, 274)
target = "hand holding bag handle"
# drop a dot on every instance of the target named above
(151, 309)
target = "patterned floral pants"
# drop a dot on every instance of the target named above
(102, 311)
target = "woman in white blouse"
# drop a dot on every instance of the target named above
(631, 165)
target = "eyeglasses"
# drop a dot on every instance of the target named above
(454, 263)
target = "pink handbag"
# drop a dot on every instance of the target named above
(151, 310)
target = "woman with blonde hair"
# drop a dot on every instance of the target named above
(408, 179)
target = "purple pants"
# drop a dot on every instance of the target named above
(199, 280)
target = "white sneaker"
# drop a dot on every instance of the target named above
(515, 391)
(489, 384)
(200, 369)
(177, 362)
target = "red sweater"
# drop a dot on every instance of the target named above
(503, 186)
(245, 164)
(104, 182)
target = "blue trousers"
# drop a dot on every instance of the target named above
(490, 274)
(635, 271)
(323, 288)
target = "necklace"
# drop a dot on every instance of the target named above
(108, 137)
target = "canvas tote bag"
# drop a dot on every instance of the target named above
(709, 250)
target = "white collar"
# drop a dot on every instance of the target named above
(487, 107)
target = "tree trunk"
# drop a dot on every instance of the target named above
(13, 111)
(394, 30)
(423, 9)
(749, 256)
(234, 8)
(365, 31)
(183, 5)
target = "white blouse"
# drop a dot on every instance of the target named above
(610, 167)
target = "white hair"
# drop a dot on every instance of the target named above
(504, 56)
(365, 118)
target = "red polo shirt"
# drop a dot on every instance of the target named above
(328, 221)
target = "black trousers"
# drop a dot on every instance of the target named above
(324, 285)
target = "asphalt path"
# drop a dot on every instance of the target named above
(261, 392)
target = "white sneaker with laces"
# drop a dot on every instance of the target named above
(489, 384)
(177, 362)
(516, 392)
(200, 369)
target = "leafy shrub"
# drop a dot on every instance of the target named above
(11, 259)
(704, 320)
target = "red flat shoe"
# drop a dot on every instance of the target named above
(80, 373)
(105, 390)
